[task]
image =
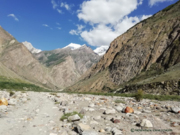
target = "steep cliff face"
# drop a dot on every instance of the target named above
(154, 40)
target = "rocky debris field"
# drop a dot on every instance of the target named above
(33, 113)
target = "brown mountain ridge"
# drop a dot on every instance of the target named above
(147, 50)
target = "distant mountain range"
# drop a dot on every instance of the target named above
(99, 50)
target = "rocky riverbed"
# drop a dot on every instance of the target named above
(33, 113)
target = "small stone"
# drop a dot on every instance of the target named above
(129, 110)
(3, 101)
(3, 108)
(102, 130)
(87, 99)
(91, 105)
(94, 123)
(89, 133)
(110, 111)
(137, 112)
(116, 131)
(146, 123)
(64, 103)
(175, 109)
(119, 108)
(52, 134)
(116, 121)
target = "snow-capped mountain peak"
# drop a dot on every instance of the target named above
(73, 46)
(31, 48)
(101, 50)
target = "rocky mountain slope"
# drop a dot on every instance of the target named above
(15, 56)
(57, 69)
(151, 45)
(67, 65)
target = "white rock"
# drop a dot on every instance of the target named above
(91, 109)
(119, 108)
(74, 118)
(3, 108)
(137, 112)
(89, 133)
(116, 131)
(110, 111)
(175, 109)
(146, 123)
(94, 123)
(52, 134)
(87, 99)
(91, 105)
(12, 101)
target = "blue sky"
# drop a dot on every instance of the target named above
(52, 24)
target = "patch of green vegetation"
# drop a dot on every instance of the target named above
(57, 103)
(19, 85)
(119, 101)
(145, 96)
(139, 95)
(169, 7)
(55, 59)
(54, 94)
(65, 116)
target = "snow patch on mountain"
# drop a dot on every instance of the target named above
(31, 48)
(73, 46)
(101, 50)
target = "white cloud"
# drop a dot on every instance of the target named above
(154, 2)
(58, 23)
(59, 11)
(140, 2)
(106, 11)
(73, 32)
(103, 35)
(65, 5)
(59, 28)
(45, 25)
(15, 18)
(78, 31)
(54, 4)
(107, 20)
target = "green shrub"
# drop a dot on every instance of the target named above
(11, 93)
(139, 95)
